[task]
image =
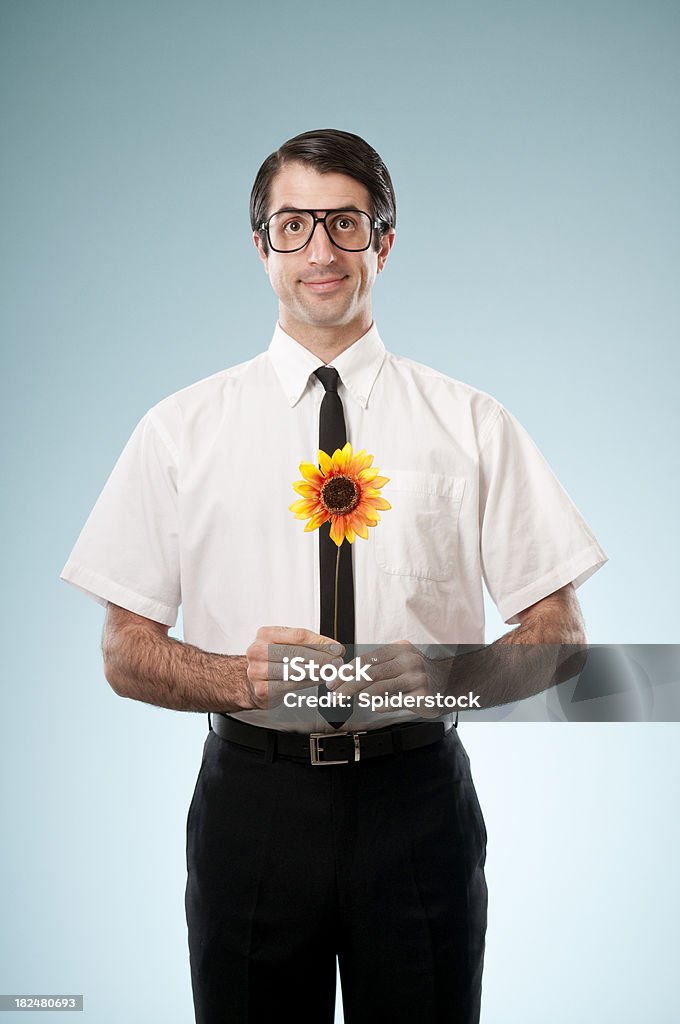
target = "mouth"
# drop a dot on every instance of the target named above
(325, 284)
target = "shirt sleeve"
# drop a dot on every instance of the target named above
(533, 538)
(128, 550)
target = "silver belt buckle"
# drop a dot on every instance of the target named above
(316, 749)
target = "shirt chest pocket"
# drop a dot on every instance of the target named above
(418, 536)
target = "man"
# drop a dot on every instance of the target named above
(365, 842)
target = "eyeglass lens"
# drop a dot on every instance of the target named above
(349, 229)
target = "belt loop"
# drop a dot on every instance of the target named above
(210, 728)
(270, 748)
(397, 745)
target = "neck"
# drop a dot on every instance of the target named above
(325, 342)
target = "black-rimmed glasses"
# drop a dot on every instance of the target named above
(290, 230)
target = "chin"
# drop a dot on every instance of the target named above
(326, 316)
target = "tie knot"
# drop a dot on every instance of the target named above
(329, 377)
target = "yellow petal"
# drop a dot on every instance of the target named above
(317, 520)
(343, 458)
(379, 481)
(362, 460)
(378, 502)
(303, 508)
(310, 472)
(357, 463)
(325, 463)
(361, 529)
(337, 531)
(305, 489)
(367, 475)
(349, 534)
(366, 515)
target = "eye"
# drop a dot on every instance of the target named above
(343, 222)
(293, 227)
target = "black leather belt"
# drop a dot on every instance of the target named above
(330, 748)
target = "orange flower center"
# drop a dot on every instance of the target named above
(339, 495)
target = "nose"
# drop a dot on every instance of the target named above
(319, 247)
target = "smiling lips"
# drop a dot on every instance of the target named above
(328, 284)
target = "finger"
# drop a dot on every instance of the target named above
(384, 672)
(353, 677)
(316, 655)
(400, 668)
(378, 700)
(386, 652)
(406, 685)
(298, 637)
(265, 671)
(271, 691)
(278, 688)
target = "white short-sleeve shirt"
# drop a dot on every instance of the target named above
(196, 512)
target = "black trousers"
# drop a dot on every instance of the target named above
(379, 863)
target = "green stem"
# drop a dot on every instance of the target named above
(335, 613)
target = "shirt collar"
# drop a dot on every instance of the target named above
(358, 365)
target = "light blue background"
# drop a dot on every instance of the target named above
(535, 153)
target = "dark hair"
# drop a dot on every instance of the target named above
(328, 151)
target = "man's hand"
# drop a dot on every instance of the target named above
(546, 648)
(398, 667)
(142, 662)
(265, 661)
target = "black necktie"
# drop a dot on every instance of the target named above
(332, 435)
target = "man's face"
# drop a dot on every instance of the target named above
(321, 285)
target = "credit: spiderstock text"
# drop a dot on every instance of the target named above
(379, 702)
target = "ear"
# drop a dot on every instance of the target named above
(257, 240)
(386, 243)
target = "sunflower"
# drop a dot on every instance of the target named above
(343, 488)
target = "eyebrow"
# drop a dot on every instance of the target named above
(336, 209)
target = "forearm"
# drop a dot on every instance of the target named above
(154, 668)
(547, 648)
